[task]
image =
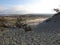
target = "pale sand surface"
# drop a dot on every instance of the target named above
(35, 21)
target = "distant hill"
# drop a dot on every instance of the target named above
(27, 15)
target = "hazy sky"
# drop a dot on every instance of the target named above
(28, 6)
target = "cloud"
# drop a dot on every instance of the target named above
(12, 10)
(39, 6)
(2, 8)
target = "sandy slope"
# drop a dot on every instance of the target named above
(45, 33)
(35, 21)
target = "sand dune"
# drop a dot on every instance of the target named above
(45, 33)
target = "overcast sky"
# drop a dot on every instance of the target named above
(28, 6)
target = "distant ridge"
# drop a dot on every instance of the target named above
(43, 15)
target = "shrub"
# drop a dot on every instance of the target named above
(2, 22)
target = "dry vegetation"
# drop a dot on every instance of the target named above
(16, 31)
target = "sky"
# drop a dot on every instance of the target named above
(28, 6)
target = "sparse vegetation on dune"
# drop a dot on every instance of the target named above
(19, 32)
(16, 22)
